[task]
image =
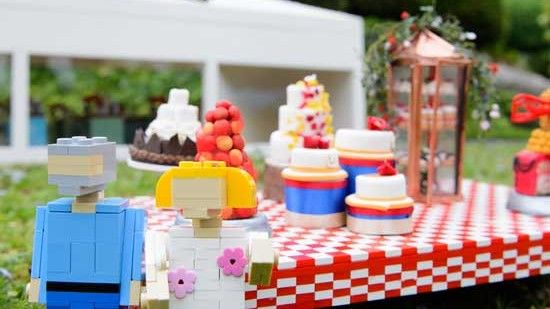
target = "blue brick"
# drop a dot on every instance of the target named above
(61, 205)
(127, 257)
(112, 205)
(78, 300)
(38, 241)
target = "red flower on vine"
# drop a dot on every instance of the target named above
(404, 15)
(376, 123)
(493, 67)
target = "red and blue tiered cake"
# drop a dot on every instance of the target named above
(315, 189)
(380, 205)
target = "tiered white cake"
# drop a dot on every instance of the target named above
(306, 115)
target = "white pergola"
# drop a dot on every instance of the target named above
(248, 51)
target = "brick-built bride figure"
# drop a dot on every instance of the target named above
(203, 260)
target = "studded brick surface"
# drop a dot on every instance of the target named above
(463, 244)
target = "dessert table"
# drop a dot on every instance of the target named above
(457, 245)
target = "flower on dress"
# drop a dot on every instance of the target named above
(181, 281)
(232, 261)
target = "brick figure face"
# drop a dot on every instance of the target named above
(200, 198)
(81, 165)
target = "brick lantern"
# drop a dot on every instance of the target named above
(427, 90)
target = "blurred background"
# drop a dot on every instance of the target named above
(91, 96)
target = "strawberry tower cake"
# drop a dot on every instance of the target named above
(220, 139)
(305, 120)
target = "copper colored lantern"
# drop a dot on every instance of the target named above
(427, 84)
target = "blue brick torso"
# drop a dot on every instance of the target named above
(89, 247)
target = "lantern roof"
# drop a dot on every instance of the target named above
(428, 48)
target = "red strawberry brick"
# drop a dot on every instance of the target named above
(223, 103)
(208, 128)
(209, 116)
(237, 126)
(221, 156)
(238, 141)
(234, 112)
(235, 157)
(220, 113)
(224, 143)
(221, 127)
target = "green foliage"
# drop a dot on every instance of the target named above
(481, 92)
(4, 80)
(131, 85)
(544, 20)
(483, 16)
(524, 32)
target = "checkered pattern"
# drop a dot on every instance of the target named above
(458, 245)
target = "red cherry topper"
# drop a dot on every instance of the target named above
(376, 123)
(316, 142)
(386, 169)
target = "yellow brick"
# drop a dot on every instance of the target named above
(76, 160)
(75, 170)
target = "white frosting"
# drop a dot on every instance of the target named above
(314, 158)
(365, 140)
(380, 187)
(175, 117)
(279, 147)
(294, 95)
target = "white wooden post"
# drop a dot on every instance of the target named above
(20, 100)
(210, 85)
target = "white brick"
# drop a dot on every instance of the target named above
(341, 284)
(359, 290)
(207, 280)
(305, 288)
(359, 273)
(323, 294)
(232, 283)
(321, 278)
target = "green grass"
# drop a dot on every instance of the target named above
(485, 161)
(491, 160)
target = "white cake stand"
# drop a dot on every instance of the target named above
(149, 167)
(532, 205)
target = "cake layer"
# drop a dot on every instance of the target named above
(314, 158)
(367, 141)
(373, 186)
(354, 201)
(303, 92)
(304, 121)
(380, 226)
(175, 117)
(315, 221)
(280, 146)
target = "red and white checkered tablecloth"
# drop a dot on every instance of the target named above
(458, 245)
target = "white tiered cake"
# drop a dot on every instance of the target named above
(306, 116)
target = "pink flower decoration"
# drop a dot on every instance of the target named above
(181, 281)
(232, 261)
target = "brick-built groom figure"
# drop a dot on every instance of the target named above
(87, 250)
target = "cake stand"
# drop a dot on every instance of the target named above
(532, 205)
(150, 167)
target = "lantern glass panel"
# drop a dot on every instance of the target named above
(400, 96)
(447, 92)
